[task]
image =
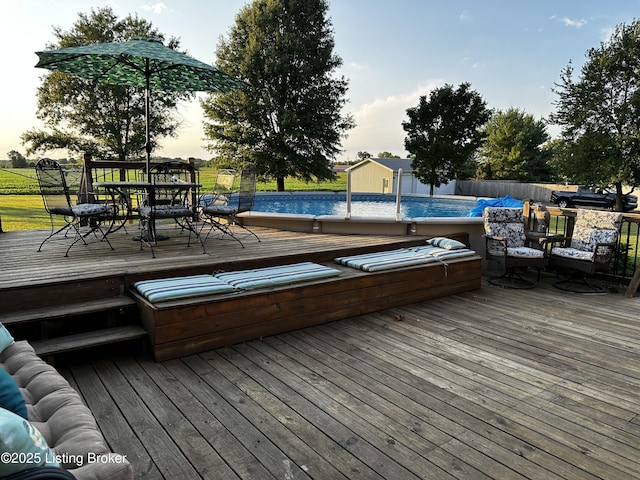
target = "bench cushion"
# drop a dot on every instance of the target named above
(378, 261)
(445, 253)
(181, 287)
(404, 257)
(273, 276)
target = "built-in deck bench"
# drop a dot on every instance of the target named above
(231, 307)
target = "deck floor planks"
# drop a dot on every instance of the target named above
(167, 455)
(111, 421)
(495, 383)
(471, 386)
(422, 374)
(577, 428)
(274, 418)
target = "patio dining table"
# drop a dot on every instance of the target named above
(123, 191)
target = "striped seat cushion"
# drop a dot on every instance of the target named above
(375, 262)
(181, 287)
(404, 257)
(273, 276)
(443, 254)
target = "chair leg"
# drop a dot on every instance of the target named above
(512, 279)
(579, 283)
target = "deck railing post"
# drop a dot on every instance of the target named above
(399, 195)
(348, 214)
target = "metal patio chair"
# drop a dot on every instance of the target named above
(170, 195)
(83, 219)
(224, 217)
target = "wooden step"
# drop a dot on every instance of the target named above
(95, 338)
(69, 310)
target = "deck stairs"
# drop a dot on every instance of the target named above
(68, 316)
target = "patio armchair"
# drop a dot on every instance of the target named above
(170, 195)
(588, 250)
(506, 246)
(83, 219)
(223, 217)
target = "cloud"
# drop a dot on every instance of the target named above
(379, 123)
(466, 16)
(570, 22)
(156, 8)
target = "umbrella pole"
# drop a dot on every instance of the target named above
(147, 101)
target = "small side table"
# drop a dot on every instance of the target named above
(540, 240)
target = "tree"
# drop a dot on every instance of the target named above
(288, 120)
(387, 155)
(513, 147)
(444, 132)
(599, 115)
(362, 156)
(17, 159)
(104, 120)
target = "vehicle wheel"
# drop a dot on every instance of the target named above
(562, 203)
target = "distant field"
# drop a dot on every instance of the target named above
(21, 205)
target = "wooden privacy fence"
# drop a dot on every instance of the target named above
(537, 192)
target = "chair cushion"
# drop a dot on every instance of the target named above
(507, 223)
(89, 209)
(586, 238)
(273, 276)
(599, 219)
(220, 210)
(10, 397)
(164, 289)
(524, 252)
(574, 253)
(166, 211)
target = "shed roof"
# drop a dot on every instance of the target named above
(393, 164)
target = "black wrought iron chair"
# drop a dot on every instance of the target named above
(171, 194)
(588, 250)
(83, 219)
(225, 217)
(506, 245)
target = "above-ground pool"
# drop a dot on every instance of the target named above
(363, 205)
(375, 214)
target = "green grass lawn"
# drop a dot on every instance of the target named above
(21, 205)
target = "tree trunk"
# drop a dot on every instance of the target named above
(280, 184)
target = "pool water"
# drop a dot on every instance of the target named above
(363, 205)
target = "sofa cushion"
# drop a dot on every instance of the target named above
(5, 338)
(10, 396)
(23, 443)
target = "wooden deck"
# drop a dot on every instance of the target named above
(499, 384)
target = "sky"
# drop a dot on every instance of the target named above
(512, 52)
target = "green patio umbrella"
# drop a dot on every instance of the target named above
(141, 62)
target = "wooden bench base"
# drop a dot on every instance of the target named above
(188, 326)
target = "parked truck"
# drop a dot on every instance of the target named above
(585, 197)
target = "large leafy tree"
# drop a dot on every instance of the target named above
(289, 120)
(599, 114)
(444, 132)
(104, 120)
(513, 148)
